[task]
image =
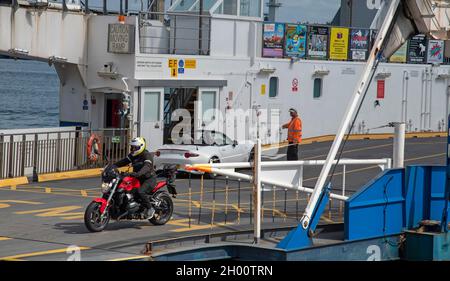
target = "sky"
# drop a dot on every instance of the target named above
(313, 11)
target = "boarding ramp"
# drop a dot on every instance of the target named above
(42, 33)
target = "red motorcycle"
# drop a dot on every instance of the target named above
(120, 201)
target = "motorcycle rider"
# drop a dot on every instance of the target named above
(141, 160)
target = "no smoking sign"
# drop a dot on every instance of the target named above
(295, 85)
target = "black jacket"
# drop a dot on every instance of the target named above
(142, 165)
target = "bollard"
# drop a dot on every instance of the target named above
(257, 191)
(399, 146)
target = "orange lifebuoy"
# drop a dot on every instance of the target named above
(94, 148)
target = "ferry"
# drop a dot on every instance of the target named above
(229, 59)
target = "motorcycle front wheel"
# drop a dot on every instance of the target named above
(92, 218)
(163, 212)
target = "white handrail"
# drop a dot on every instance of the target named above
(385, 162)
(225, 169)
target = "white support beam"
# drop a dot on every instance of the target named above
(360, 90)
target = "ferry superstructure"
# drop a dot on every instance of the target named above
(172, 59)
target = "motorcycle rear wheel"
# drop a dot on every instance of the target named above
(163, 213)
(92, 218)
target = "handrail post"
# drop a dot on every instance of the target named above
(86, 7)
(257, 191)
(2, 139)
(105, 8)
(58, 152)
(35, 156)
(11, 157)
(23, 158)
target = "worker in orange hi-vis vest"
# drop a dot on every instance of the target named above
(294, 135)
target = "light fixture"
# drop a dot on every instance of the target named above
(383, 74)
(266, 68)
(17, 51)
(53, 59)
(320, 71)
(443, 75)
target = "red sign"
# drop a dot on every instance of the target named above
(380, 89)
(295, 85)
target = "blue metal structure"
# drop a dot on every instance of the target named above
(444, 224)
(300, 238)
(382, 215)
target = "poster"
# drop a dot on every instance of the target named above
(435, 51)
(317, 42)
(273, 40)
(359, 44)
(339, 43)
(295, 40)
(400, 55)
(417, 50)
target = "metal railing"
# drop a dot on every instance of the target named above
(229, 197)
(29, 154)
(174, 33)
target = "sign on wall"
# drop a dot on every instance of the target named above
(295, 85)
(400, 55)
(121, 38)
(417, 50)
(435, 51)
(317, 42)
(339, 43)
(295, 40)
(359, 44)
(380, 89)
(273, 40)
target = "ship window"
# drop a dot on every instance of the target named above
(207, 5)
(273, 87)
(227, 7)
(317, 88)
(183, 5)
(151, 106)
(250, 8)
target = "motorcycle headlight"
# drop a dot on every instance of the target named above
(106, 187)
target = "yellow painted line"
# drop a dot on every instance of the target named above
(21, 202)
(13, 181)
(13, 187)
(129, 258)
(84, 193)
(74, 174)
(358, 137)
(2, 238)
(48, 190)
(184, 223)
(352, 150)
(41, 253)
(373, 167)
(65, 212)
(53, 193)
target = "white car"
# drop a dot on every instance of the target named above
(214, 147)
